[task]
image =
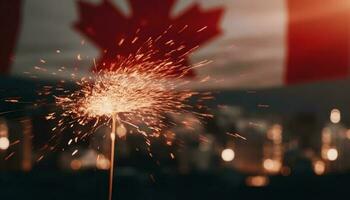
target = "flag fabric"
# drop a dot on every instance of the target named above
(10, 12)
(252, 43)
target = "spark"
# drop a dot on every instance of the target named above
(40, 158)
(236, 135)
(134, 40)
(136, 89)
(202, 29)
(15, 142)
(9, 156)
(75, 152)
(40, 68)
(11, 100)
(121, 42)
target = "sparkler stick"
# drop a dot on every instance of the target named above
(111, 168)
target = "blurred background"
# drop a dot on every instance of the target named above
(281, 125)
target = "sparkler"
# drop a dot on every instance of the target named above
(134, 90)
(111, 172)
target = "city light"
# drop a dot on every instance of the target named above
(319, 167)
(102, 162)
(285, 171)
(227, 155)
(272, 165)
(335, 116)
(4, 143)
(332, 154)
(275, 134)
(3, 129)
(75, 164)
(347, 134)
(257, 181)
(121, 131)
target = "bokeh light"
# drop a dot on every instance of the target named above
(227, 155)
(335, 116)
(4, 143)
(332, 154)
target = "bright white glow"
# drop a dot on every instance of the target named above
(4, 143)
(227, 155)
(332, 154)
(335, 116)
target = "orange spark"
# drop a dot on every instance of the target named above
(137, 89)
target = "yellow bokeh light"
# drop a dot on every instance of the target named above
(257, 181)
(272, 165)
(319, 167)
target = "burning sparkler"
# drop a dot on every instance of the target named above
(134, 90)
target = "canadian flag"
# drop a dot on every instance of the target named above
(252, 43)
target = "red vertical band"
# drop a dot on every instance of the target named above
(318, 40)
(9, 27)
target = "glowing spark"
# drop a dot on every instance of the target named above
(138, 91)
(74, 152)
(12, 100)
(202, 29)
(9, 156)
(40, 158)
(121, 42)
(236, 135)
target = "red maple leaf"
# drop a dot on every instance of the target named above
(116, 34)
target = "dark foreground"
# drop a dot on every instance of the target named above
(219, 185)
